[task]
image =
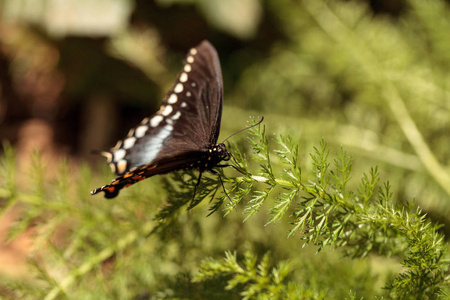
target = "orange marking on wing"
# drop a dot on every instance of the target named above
(128, 175)
(115, 182)
(111, 189)
(127, 185)
(136, 177)
(150, 167)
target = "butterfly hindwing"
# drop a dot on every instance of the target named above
(142, 172)
(186, 125)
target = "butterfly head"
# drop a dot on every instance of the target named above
(222, 152)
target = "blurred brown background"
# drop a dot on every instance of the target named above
(75, 75)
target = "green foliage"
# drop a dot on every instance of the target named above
(8, 189)
(374, 84)
(319, 225)
(258, 281)
(328, 213)
(103, 240)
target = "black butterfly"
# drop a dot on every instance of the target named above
(182, 134)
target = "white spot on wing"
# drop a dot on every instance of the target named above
(178, 88)
(190, 59)
(187, 68)
(145, 121)
(193, 51)
(108, 155)
(183, 104)
(156, 120)
(176, 116)
(129, 142)
(167, 110)
(173, 98)
(183, 77)
(113, 167)
(121, 166)
(119, 154)
(118, 145)
(131, 132)
(193, 84)
(188, 94)
(140, 131)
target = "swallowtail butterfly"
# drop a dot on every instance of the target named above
(182, 134)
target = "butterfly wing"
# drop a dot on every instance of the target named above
(142, 172)
(187, 124)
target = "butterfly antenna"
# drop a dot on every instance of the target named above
(244, 129)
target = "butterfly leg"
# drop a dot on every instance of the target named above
(196, 185)
(234, 167)
(193, 203)
(235, 161)
(223, 186)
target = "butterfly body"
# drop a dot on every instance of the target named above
(182, 134)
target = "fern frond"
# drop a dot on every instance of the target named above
(255, 280)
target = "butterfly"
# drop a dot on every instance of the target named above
(182, 134)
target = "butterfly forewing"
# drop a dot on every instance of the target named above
(186, 125)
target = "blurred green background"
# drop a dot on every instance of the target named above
(371, 76)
